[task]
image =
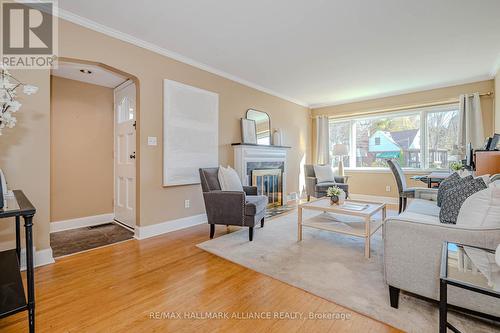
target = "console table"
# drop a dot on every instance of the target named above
(12, 298)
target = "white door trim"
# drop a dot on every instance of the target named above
(120, 87)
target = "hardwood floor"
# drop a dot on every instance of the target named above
(117, 288)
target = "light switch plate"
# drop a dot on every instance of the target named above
(152, 141)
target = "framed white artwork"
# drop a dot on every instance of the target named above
(248, 131)
(190, 132)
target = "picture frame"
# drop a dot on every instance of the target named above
(494, 145)
(190, 132)
(487, 143)
(248, 131)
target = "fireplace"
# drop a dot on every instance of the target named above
(265, 168)
(269, 183)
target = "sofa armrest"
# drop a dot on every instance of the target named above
(225, 207)
(412, 256)
(426, 193)
(311, 185)
(250, 190)
(341, 179)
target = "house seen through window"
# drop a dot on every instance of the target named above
(423, 138)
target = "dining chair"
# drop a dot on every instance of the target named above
(404, 191)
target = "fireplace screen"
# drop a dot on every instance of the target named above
(268, 183)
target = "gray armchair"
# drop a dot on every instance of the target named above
(243, 209)
(318, 190)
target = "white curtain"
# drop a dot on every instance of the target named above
(322, 140)
(470, 126)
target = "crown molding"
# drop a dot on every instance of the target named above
(84, 22)
(405, 91)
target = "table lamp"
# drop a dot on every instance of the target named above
(341, 150)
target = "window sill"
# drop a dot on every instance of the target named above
(387, 170)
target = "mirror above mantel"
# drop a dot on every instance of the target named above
(262, 126)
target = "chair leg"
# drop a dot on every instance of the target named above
(250, 234)
(212, 230)
(400, 204)
(262, 223)
(394, 296)
(405, 201)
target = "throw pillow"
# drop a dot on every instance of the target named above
(454, 197)
(486, 178)
(465, 173)
(450, 182)
(229, 180)
(482, 209)
(324, 173)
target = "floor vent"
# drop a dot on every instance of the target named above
(101, 225)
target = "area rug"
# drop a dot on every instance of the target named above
(333, 267)
(82, 239)
(275, 211)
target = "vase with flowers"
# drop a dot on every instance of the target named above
(336, 194)
(9, 104)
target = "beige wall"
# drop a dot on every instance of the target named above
(159, 204)
(25, 156)
(374, 183)
(497, 102)
(81, 149)
(27, 161)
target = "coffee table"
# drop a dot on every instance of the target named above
(363, 225)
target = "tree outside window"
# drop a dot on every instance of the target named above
(418, 138)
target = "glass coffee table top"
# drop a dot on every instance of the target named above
(471, 267)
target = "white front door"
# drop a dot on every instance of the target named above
(125, 153)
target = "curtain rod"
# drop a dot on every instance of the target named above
(489, 93)
(408, 107)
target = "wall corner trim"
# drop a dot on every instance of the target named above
(81, 222)
(374, 198)
(169, 226)
(41, 257)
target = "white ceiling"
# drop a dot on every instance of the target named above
(314, 52)
(98, 76)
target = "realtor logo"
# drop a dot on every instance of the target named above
(28, 34)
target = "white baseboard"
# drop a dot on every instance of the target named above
(81, 222)
(41, 258)
(374, 198)
(169, 226)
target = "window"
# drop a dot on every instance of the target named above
(339, 134)
(126, 111)
(442, 134)
(419, 138)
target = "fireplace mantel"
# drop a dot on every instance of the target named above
(247, 153)
(257, 145)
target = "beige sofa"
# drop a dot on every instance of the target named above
(412, 253)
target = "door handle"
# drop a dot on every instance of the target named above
(133, 155)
